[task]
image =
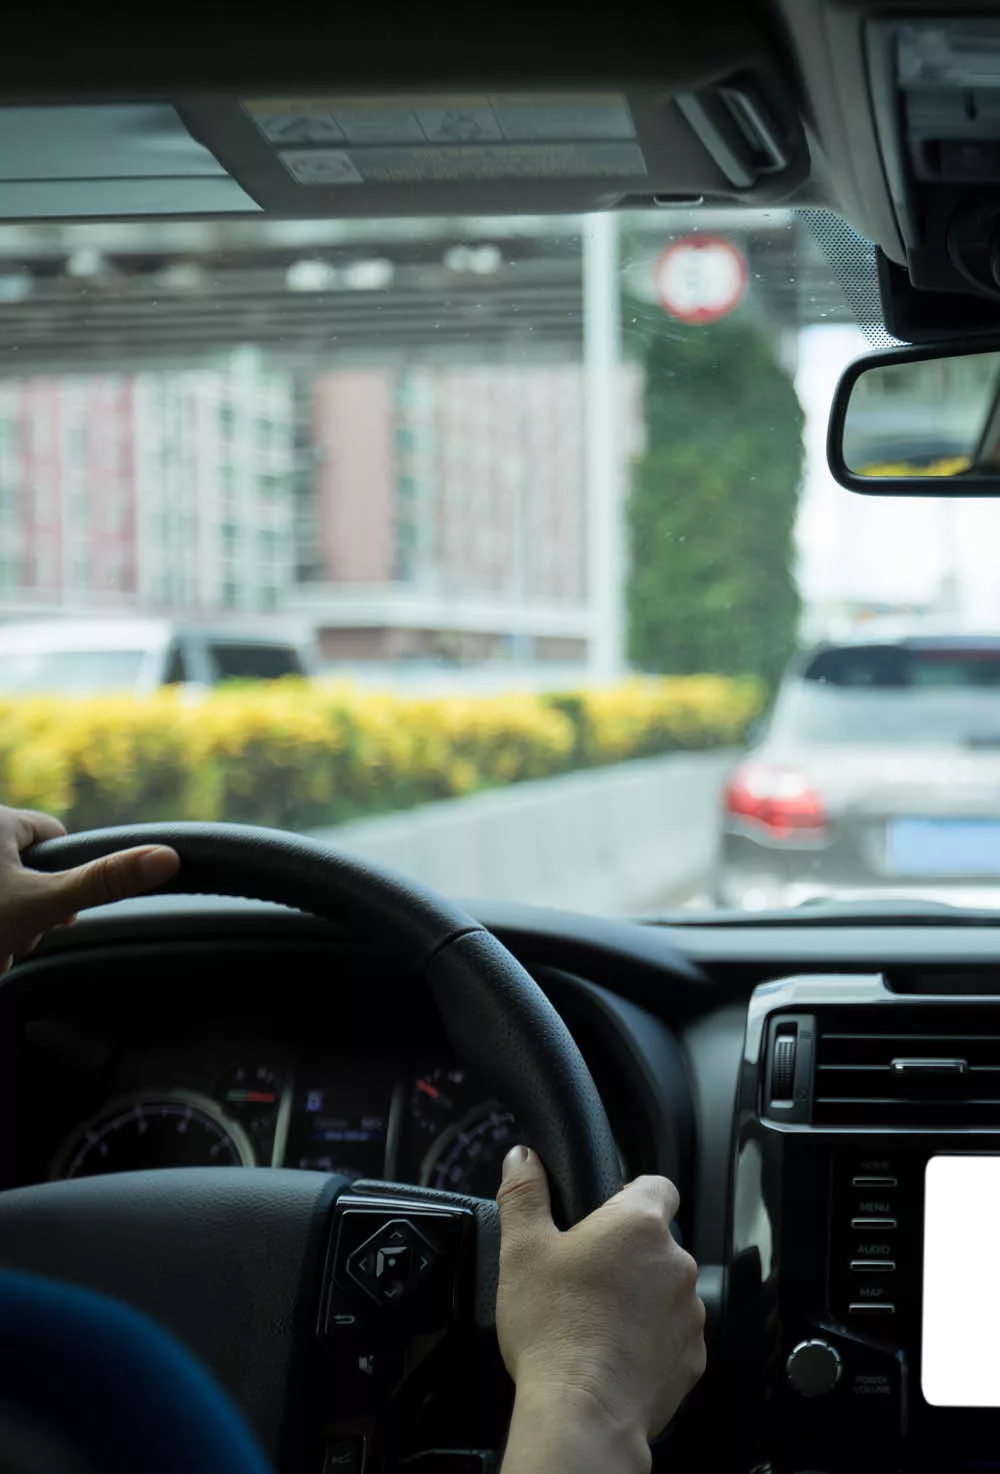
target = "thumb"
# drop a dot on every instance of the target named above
(523, 1198)
(113, 877)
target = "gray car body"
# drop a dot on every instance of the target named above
(874, 756)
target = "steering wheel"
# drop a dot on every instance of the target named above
(311, 1297)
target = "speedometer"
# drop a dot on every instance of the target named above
(175, 1129)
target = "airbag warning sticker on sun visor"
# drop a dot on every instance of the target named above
(510, 118)
(458, 162)
(389, 140)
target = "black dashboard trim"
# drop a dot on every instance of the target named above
(713, 1047)
(644, 1052)
(619, 954)
(701, 964)
(693, 979)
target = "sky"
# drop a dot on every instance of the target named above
(884, 549)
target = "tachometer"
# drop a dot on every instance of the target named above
(467, 1159)
(175, 1129)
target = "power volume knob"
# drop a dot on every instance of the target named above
(814, 1368)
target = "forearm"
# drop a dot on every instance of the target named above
(557, 1431)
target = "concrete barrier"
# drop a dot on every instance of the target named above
(626, 838)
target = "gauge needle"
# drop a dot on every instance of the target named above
(445, 1102)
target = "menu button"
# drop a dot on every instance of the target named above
(875, 1206)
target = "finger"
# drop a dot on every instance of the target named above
(525, 1207)
(118, 876)
(20, 828)
(113, 877)
(656, 1192)
(40, 826)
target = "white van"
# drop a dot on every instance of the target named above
(85, 656)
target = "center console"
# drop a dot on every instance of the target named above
(864, 1245)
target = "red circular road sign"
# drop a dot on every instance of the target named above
(700, 278)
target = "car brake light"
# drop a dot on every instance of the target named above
(780, 800)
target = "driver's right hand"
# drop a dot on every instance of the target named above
(607, 1310)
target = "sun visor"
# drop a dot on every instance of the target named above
(109, 160)
(490, 152)
(341, 154)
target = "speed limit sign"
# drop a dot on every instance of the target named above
(700, 278)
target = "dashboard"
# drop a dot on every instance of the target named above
(287, 1050)
(806, 1085)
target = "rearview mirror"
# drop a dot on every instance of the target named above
(919, 422)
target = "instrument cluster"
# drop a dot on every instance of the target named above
(433, 1125)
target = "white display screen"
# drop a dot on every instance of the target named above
(959, 1364)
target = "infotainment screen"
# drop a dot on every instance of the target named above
(960, 1366)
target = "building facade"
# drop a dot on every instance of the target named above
(407, 511)
(450, 511)
(165, 492)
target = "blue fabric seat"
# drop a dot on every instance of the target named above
(113, 1386)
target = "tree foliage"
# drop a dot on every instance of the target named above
(713, 504)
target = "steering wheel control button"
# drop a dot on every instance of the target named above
(390, 1265)
(393, 1272)
(814, 1368)
(361, 1267)
(345, 1456)
(410, 1260)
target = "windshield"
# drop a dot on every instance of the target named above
(66, 671)
(925, 717)
(506, 531)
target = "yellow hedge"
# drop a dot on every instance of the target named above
(299, 754)
(645, 715)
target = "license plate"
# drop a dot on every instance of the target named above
(944, 846)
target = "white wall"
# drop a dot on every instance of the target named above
(628, 838)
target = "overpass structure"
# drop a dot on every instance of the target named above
(120, 296)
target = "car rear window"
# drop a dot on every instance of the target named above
(250, 662)
(894, 695)
(80, 672)
(901, 667)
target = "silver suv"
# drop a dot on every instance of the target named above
(140, 655)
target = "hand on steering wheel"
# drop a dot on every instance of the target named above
(309, 1296)
(32, 903)
(601, 1327)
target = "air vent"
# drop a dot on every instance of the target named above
(902, 1066)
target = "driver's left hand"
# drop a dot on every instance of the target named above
(32, 903)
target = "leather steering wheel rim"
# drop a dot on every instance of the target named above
(496, 1016)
